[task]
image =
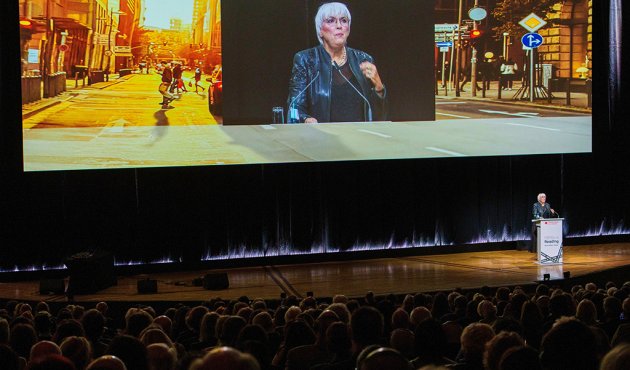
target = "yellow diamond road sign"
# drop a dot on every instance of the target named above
(532, 23)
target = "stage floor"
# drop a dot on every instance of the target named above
(354, 278)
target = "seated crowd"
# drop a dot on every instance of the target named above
(493, 329)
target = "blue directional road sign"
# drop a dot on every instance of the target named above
(532, 40)
(442, 44)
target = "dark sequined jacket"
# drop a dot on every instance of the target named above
(540, 211)
(315, 100)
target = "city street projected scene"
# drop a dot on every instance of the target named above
(140, 83)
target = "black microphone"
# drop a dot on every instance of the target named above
(293, 115)
(369, 113)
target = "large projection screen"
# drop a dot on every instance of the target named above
(99, 84)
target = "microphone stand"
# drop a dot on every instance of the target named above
(293, 115)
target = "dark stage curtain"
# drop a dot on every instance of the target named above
(185, 214)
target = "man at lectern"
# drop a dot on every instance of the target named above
(540, 209)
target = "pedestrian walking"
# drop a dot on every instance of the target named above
(508, 70)
(197, 79)
(467, 77)
(167, 80)
(485, 70)
(178, 83)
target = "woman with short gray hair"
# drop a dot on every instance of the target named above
(333, 82)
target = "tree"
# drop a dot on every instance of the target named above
(508, 13)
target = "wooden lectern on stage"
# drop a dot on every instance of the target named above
(549, 240)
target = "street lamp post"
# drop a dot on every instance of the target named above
(109, 38)
(506, 36)
(459, 48)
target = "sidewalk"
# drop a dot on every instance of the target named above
(579, 101)
(35, 107)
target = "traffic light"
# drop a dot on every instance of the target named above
(26, 28)
(475, 34)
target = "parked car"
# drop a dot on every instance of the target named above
(215, 91)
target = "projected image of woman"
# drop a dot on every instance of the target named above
(333, 82)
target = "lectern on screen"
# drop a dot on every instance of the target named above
(549, 240)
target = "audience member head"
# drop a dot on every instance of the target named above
(591, 287)
(520, 358)
(52, 362)
(254, 340)
(612, 308)
(403, 341)
(502, 294)
(342, 311)
(154, 334)
(22, 338)
(561, 304)
(291, 314)
(208, 328)
(4, 331)
(366, 326)
(440, 306)
(497, 346)
(542, 289)
(418, 315)
(68, 328)
(385, 358)
(194, 317)
(625, 306)
(265, 320)
(226, 358)
(42, 349)
(136, 320)
(430, 340)
(340, 298)
(487, 310)
(621, 335)
(230, 329)
(617, 359)
(297, 333)
(352, 305)
(507, 324)
(324, 320)
(400, 319)
(93, 323)
(107, 362)
(43, 324)
(102, 307)
(569, 344)
(161, 357)
(78, 350)
(165, 323)
(474, 338)
(586, 312)
(9, 360)
(364, 353)
(338, 339)
(130, 350)
(42, 306)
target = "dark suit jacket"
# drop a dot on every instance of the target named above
(541, 211)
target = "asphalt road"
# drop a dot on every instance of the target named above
(123, 126)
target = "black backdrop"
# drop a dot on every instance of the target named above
(183, 213)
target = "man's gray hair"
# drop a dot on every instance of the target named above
(330, 10)
(540, 196)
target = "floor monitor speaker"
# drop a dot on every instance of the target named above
(147, 286)
(52, 286)
(217, 281)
